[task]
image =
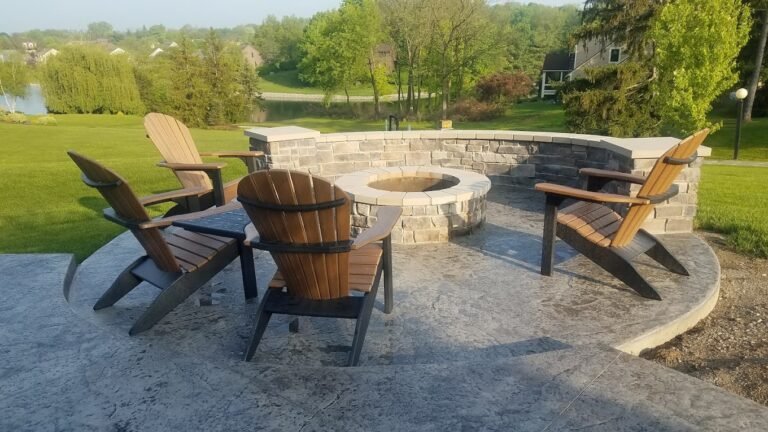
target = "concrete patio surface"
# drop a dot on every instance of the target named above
(478, 340)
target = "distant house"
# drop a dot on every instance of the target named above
(556, 69)
(252, 56)
(559, 67)
(117, 51)
(156, 52)
(42, 58)
(173, 45)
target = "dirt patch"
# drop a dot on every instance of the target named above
(729, 348)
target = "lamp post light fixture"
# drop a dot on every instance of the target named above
(739, 95)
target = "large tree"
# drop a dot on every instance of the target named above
(338, 47)
(14, 80)
(697, 42)
(761, 9)
(278, 41)
(88, 80)
(687, 49)
(461, 40)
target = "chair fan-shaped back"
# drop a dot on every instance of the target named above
(659, 180)
(318, 276)
(175, 144)
(126, 205)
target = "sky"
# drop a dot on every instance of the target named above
(18, 16)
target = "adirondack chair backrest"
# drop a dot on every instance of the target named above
(304, 222)
(659, 180)
(127, 206)
(175, 144)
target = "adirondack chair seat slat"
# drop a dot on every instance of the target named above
(596, 222)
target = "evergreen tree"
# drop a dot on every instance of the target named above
(189, 93)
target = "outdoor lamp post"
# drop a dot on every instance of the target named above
(740, 95)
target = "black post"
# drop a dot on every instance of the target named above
(738, 130)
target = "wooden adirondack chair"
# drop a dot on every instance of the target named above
(177, 263)
(304, 222)
(604, 236)
(173, 140)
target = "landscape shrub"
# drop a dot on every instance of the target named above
(475, 110)
(45, 120)
(13, 118)
(504, 87)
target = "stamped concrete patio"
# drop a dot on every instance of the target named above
(478, 340)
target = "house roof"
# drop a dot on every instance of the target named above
(558, 61)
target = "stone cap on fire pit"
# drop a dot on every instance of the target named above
(468, 185)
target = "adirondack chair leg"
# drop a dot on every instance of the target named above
(262, 319)
(663, 256)
(610, 261)
(250, 289)
(388, 293)
(361, 326)
(293, 326)
(548, 238)
(123, 284)
(166, 301)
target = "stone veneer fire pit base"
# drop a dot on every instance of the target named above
(429, 216)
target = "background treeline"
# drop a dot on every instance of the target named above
(203, 84)
(438, 51)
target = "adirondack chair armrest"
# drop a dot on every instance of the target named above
(253, 160)
(170, 196)
(212, 170)
(386, 218)
(583, 195)
(605, 176)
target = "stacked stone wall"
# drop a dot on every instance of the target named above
(506, 158)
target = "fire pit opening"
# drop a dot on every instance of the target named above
(414, 183)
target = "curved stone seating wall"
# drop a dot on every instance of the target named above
(506, 157)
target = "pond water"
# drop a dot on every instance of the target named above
(33, 103)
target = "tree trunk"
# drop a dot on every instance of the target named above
(399, 89)
(749, 103)
(372, 71)
(346, 92)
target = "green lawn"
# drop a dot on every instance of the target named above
(733, 201)
(288, 82)
(754, 140)
(46, 208)
(532, 116)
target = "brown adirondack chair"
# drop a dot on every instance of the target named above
(173, 140)
(178, 263)
(304, 222)
(605, 237)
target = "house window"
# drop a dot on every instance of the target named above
(615, 55)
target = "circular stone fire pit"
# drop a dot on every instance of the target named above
(438, 203)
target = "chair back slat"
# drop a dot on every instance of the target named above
(317, 276)
(659, 180)
(175, 144)
(126, 205)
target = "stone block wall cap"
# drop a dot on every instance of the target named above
(645, 148)
(281, 133)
